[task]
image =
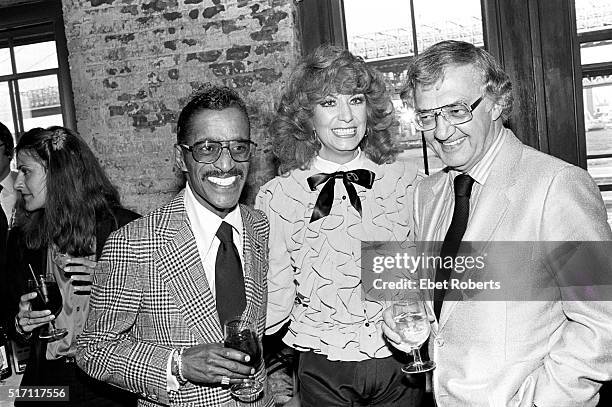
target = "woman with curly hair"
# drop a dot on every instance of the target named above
(68, 208)
(339, 186)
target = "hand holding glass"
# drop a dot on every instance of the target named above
(412, 325)
(241, 334)
(48, 296)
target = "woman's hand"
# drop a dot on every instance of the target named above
(29, 320)
(80, 270)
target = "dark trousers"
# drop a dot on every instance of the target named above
(83, 390)
(372, 382)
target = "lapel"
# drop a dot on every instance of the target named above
(253, 284)
(179, 265)
(491, 208)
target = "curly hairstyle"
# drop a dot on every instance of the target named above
(211, 97)
(6, 138)
(430, 67)
(78, 191)
(330, 70)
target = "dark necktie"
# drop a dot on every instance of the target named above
(362, 177)
(229, 281)
(463, 189)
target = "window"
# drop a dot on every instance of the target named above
(594, 24)
(387, 33)
(35, 86)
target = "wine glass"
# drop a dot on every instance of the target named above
(48, 296)
(240, 334)
(412, 325)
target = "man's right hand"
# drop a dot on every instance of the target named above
(29, 320)
(210, 363)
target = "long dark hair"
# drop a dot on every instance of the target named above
(78, 191)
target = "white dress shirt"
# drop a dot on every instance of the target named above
(204, 225)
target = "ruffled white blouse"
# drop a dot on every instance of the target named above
(315, 277)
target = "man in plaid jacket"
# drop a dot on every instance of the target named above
(160, 292)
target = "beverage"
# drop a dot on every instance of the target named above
(413, 328)
(48, 296)
(245, 341)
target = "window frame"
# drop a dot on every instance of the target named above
(38, 20)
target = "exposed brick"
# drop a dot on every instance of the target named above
(132, 9)
(206, 56)
(116, 110)
(227, 26)
(267, 75)
(172, 16)
(158, 5)
(173, 73)
(213, 24)
(135, 63)
(210, 12)
(96, 3)
(227, 68)
(123, 38)
(236, 53)
(272, 47)
(109, 84)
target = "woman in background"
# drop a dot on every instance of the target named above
(339, 186)
(69, 207)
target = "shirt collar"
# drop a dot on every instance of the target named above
(481, 170)
(205, 223)
(328, 167)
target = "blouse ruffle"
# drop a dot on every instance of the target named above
(329, 315)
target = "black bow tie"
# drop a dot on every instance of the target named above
(365, 178)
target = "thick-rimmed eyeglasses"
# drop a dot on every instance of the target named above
(209, 151)
(455, 113)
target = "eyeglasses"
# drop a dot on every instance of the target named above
(209, 151)
(455, 113)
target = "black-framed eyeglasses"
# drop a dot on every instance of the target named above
(454, 113)
(209, 151)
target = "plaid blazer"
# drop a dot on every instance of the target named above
(150, 296)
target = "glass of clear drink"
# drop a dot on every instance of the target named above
(412, 325)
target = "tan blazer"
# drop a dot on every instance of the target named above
(502, 353)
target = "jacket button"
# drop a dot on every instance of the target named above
(439, 341)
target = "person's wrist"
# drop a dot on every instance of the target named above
(177, 366)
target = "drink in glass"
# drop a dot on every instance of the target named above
(48, 296)
(412, 325)
(240, 334)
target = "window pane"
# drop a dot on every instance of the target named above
(40, 102)
(438, 20)
(597, 96)
(378, 29)
(596, 52)
(34, 57)
(6, 114)
(607, 197)
(593, 15)
(5, 61)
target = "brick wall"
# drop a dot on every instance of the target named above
(133, 64)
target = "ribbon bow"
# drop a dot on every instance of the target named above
(362, 177)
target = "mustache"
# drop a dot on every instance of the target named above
(233, 172)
